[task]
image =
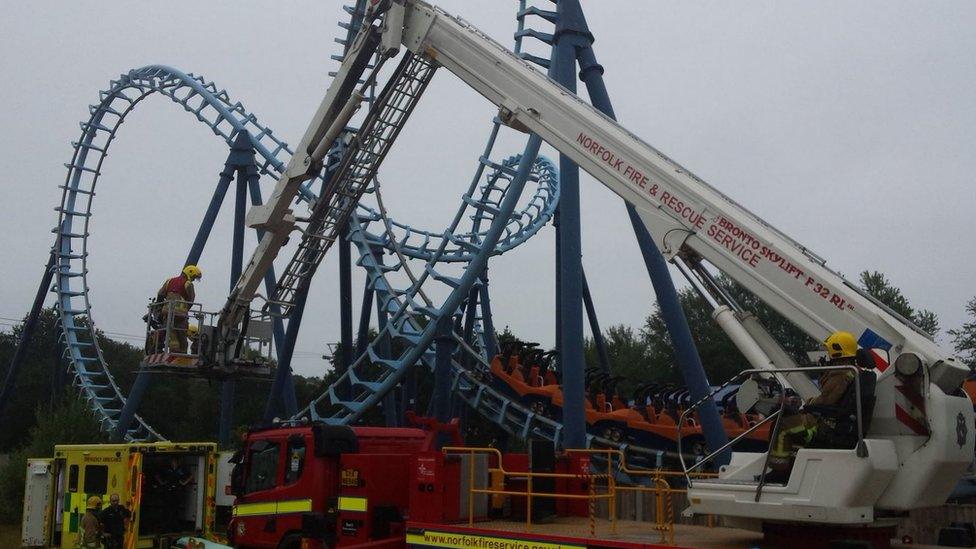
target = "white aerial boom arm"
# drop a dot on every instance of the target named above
(689, 218)
(683, 213)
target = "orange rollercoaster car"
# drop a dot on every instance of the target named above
(650, 420)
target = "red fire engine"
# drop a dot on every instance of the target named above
(343, 486)
(314, 486)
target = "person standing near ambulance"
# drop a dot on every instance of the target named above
(90, 527)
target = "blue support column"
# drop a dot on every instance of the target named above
(591, 73)
(444, 350)
(385, 350)
(27, 332)
(408, 393)
(559, 285)
(570, 274)
(488, 325)
(210, 216)
(281, 388)
(598, 342)
(470, 310)
(345, 304)
(365, 313)
(141, 384)
(228, 386)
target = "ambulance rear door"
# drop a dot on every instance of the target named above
(38, 489)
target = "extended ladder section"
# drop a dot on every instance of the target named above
(330, 213)
(689, 219)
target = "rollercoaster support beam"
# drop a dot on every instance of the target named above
(567, 38)
(689, 362)
(27, 332)
(559, 286)
(141, 384)
(386, 351)
(487, 324)
(470, 310)
(57, 373)
(444, 346)
(365, 314)
(229, 386)
(345, 303)
(283, 388)
(598, 341)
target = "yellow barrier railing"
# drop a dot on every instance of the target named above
(660, 487)
(528, 494)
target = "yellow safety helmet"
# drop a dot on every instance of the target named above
(94, 502)
(192, 330)
(192, 272)
(841, 345)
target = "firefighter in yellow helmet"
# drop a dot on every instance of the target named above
(193, 334)
(89, 527)
(797, 429)
(177, 294)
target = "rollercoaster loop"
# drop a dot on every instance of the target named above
(409, 315)
(70, 252)
(227, 120)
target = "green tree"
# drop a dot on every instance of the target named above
(69, 422)
(878, 285)
(628, 352)
(37, 381)
(964, 339)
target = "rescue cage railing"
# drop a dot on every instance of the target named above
(183, 330)
(775, 416)
(658, 485)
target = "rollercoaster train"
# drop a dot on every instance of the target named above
(649, 418)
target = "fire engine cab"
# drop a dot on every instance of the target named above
(343, 485)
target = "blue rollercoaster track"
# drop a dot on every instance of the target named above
(492, 219)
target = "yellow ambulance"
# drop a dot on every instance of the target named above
(169, 488)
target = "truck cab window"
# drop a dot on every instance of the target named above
(296, 459)
(262, 471)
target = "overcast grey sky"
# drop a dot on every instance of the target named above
(849, 125)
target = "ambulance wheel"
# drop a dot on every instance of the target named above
(291, 541)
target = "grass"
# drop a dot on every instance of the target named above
(9, 535)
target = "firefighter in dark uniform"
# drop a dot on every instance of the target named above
(797, 429)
